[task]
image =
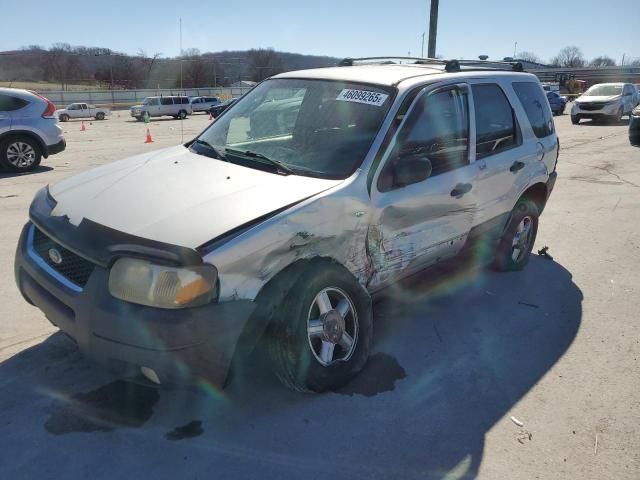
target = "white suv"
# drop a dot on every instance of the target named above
(174, 106)
(29, 130)
(609, 101)
(277, 224)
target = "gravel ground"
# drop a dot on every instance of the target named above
(476, 374)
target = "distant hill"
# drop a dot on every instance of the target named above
(63, 65)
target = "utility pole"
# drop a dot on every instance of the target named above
(515, 48)
(433, 28)
(422, 51)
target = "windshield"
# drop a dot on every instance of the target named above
(603, 91)
(313, 127)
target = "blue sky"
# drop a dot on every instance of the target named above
(467, 28)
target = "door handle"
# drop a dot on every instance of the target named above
(460, 189)
(516, 166)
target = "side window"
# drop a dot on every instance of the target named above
(166, 101)
(436, 133)
(537, 110)
(184, 100)
(495, 121)
(74, 107)
(153, 101)
(10, 104)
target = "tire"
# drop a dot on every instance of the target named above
(139, 119)
(524, 218)
(64, 117)
(100, 116)
(297, 353)
(182, 114)
(617, 118)
(20, 154)
(575, 119)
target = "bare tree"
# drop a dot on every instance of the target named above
(570, 56)
(62, 63)
(528, 57)
(603, 61)
(263, 63)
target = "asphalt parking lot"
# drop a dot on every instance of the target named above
(557, 347)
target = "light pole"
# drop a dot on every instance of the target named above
(433, 28)
(422, 51)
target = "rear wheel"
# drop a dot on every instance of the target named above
(100, 116)
(20, 154)
(323, 333)
(182, 114)
(515, 246)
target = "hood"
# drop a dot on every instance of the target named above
(597, 98)
(178, 197)
(136, 106)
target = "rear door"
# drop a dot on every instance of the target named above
(166, 106)
(7, 105)
(420, 223)
(499, 151)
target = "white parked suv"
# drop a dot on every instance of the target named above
(29, 130)
(278, 224)
(610, 101)
(174, 106)
(82, 110)
(203, 104)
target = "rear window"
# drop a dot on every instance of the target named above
(182, 100)
(10, 104)
(495, 123)
(536, 107)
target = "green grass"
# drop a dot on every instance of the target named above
(42, 86)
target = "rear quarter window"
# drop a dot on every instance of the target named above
(496, 128)
(10, 104)
(536, 107)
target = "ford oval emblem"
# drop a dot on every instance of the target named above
(55, 256)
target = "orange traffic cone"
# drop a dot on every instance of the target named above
(210, 116)
(83, 128)
(149, 139)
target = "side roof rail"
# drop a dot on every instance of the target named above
(449, 65)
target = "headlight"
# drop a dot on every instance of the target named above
(145, 283)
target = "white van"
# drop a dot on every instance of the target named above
(174, 106)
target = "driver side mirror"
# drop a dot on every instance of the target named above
(410, 169)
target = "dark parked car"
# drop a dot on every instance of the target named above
(221, 107)
(634, 127)
(557, 103)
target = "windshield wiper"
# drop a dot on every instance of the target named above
(218, 153)
(277, 163)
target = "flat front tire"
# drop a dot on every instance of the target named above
(322, 334)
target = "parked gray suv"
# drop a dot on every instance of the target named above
(279, 223)
(29, 130)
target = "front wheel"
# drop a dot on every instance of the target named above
(517, 241)
(617, 118)
(322, 335)
(20, 154)
(64, 117)
(575, 119)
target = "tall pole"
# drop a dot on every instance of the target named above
(515, 49)
(422, 51)
(433, 28)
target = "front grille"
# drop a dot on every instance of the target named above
(591, 106)
(72, 267)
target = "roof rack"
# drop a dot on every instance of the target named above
(449, 65)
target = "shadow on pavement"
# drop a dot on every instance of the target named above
(453, 354)
(40, 169)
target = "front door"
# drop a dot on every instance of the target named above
(424, 218)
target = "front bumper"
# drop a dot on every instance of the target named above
(605, 111)
(56, 148)
(189, 346)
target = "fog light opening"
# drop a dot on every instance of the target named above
(150, 374)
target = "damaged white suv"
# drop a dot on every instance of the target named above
(278, 223)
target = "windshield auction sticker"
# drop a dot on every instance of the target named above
(362, 96)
